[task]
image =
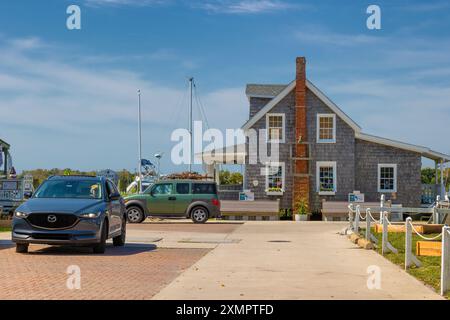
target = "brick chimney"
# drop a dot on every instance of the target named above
(300, 154)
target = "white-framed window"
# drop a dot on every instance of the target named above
(326, 177)
(387, 177)
(275, 124)
(275, 177)
(326, 128)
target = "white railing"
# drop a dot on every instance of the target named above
(355, 218)
(411, 259)
(445, 260)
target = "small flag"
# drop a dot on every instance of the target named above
(146, 162)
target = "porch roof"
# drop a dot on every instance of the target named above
(234, 154)
(4, 144)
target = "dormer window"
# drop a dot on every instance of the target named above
(275, 124)
(326, 128)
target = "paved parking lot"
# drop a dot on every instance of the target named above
(180, 260)
(137, 271)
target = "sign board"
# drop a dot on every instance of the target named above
(109, 174)
(28, 183)
(247, 195)
(11, 190)
(356, 197)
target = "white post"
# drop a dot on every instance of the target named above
(382, 206)
(350, 216)
(410, 258)
(356, 224)
(368, 222)
(435, 211)
(384, 236)
(386, 246)
(445, 260)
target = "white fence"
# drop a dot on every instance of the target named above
(438, 215)
(445, 260)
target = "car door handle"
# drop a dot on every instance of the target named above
(172, 198)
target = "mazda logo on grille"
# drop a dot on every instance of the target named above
(51, 218)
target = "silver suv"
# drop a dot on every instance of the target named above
(71, 210)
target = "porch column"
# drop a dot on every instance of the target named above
(244, 180)
(436, 171)
(216, 169)
(5, 170)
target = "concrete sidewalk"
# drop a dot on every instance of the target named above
(285, 260)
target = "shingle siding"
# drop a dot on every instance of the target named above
(342, 152)
(253, 172)
(369, 155)
(257, 104)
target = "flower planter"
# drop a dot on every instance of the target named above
(274, 193)
(301, 217)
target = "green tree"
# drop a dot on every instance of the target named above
(226, 177)
(429, 176)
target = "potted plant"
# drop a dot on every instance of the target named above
(301, 210)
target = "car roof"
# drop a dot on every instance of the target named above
(184, 181)
(76, 177)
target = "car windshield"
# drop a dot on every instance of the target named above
(76, 189)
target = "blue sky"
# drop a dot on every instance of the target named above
(68, 98)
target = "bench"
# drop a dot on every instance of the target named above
(250, 210)
(338, 210)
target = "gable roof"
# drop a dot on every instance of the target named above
(264, 90)
(284, 92)
(269, 91)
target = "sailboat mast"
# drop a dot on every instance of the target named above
(191, 81)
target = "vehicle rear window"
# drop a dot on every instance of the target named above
(204, 188)
(182, 188)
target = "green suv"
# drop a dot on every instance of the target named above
(193, 199)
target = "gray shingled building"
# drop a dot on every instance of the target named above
(324, 153)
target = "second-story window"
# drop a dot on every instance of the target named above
(326, 128)
(275, 124)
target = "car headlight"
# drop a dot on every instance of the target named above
(90, 215)
(20, 214)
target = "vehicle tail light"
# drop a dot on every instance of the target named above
(216, 202)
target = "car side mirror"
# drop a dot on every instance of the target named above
(27, 195)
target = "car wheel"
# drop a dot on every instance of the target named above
(199, 215)
(101, 246)
(135, 215)
(119, 241)
(21, 247)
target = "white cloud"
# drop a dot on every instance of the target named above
(101, 3)
(417, 113)
(56, 113)
(326, 38)
(245, 6)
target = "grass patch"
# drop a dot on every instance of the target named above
(429, 273)
(5, 229)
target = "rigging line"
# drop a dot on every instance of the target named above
(200, 104)
(200, 111)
